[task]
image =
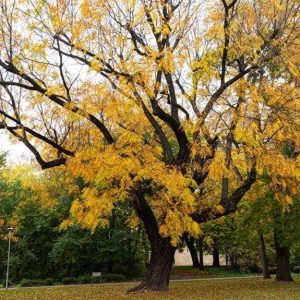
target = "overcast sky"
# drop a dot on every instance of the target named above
(17, 153)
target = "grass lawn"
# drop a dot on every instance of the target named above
(235, 289)
(208, 272)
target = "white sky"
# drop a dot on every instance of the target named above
(17, 152)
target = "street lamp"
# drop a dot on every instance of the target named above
(10, 229)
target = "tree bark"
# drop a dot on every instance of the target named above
(234, 261)
(216, 256)
(190, 242)
(283, 272)
(160, 265)
(283, 264)
(263, 257)
(162, 252)
(201, 255)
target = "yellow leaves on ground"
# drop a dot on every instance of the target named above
(221, 289)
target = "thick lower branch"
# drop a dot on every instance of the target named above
(230, 204)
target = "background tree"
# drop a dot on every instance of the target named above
(41, 250)
(265, 228)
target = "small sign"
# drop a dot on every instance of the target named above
(96, 274)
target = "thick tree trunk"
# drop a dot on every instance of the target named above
(190, 242)
(201, 255)
(283, 272)
(216, 256)
(283, 264)
(160, 265)
(162, 252)
(263, 257)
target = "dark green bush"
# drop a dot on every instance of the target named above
(85, 279)
(88, 279)
(97, 279)
(28, 282)
(36, 282)
(69, 280)
(110, 277)
(296, 269)
(49, 281)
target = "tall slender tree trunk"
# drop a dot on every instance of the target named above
(283, 272)
(190, 242)
(201, 254)
(216, 256)
(263, 257)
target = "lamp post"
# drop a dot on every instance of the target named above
(10, 229)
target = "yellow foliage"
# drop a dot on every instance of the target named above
(140, 95)
(85, 8)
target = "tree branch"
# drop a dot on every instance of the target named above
(35, 86)
(229, 204)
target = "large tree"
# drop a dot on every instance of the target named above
(175, 106)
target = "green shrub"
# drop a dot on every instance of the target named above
(69, 280)
(48, 281)
(84, 279)
(3, 283)
(27, 282)
(97, 279)
(36, 282)
(88, 279)
(111, 277)
(296, 269)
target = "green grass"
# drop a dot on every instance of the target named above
(235, 289)
(208, 272)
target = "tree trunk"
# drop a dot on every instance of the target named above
(283, 264)
(162, 252)
(263, 256)
(160, 265)
(216, 256)
(283, 272)
(201, 258)
(226, 260)
(190, 242)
